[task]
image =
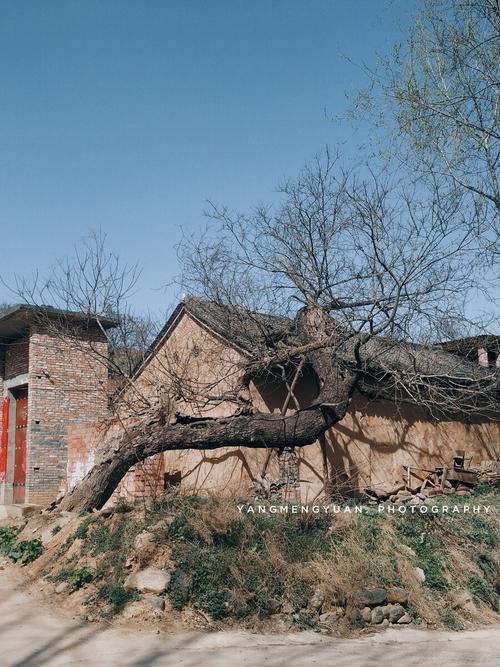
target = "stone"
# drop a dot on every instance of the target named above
(156, 602)
(142, 609)
(60, 588)
(377, 616)
(404, 495)
(143, 540)
(331, 616)
(149, 580)
(432, 493)
(404, 620)
(355, 616)
(385, 623)
(396, 612)
(107, 511)
(386, 610)
(317, 599)
(366, 614)
(371, 597)
(397, 595)
(420, 574)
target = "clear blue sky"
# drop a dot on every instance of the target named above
(127, 115)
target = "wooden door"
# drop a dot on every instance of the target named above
(20, 446)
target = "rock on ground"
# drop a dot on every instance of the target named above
(371, 597)
(149, 580)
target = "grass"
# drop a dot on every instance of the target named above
(245, 568)
(116, 597)
(77, 577)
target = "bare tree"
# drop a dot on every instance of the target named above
(437, 100)
(360, 269)
(97, 285)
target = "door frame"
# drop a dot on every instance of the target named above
(10, 388)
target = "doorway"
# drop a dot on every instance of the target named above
(21, 426)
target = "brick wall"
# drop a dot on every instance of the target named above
(16, 358)
(67, 389)
(144, 481)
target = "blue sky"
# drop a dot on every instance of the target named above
(128, 115)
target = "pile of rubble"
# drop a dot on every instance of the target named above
(489, 473)
(416, 495)
(380, 606)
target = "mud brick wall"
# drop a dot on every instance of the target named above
(67, 388)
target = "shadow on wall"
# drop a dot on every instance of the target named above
(377, 438)
(368, 448)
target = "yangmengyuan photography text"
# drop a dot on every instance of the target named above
(382, 508)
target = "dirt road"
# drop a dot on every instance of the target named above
(31, 636)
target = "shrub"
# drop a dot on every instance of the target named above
(25, 551)
(7, 540)
(82, 530)
(77, 578)
(123, 508)
(481, 532)
(450, 620)
(480, 588)
(306, 621)
(179, 589)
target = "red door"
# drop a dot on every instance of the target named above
(4, 439)
(20, 453)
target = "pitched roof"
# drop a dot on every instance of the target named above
(243, 329)
(252, 332)
(465, 346)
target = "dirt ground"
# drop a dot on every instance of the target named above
(32, 635)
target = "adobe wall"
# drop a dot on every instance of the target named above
(67, 388)
(367, 449)
(370, 446)
(199, 363)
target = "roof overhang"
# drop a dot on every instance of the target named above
(17, 320)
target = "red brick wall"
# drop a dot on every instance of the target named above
(67, 388)
(143, 481)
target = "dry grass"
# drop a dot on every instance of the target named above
(241, 569)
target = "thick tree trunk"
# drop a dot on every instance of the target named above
(119, 454)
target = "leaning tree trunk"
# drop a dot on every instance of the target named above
(259, 430)
(379, 367)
